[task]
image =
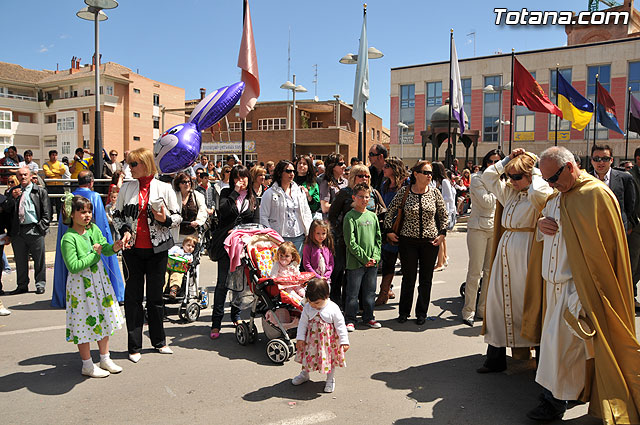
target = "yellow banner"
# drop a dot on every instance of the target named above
(562, 135)
(523, 136)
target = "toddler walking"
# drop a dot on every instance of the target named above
(322, 337)
(92, 313)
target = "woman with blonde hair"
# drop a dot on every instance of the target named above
(257, 174)
(146, 212)
(521, 198)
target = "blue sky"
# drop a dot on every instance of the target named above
(194, 43)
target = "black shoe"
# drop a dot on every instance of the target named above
(545, 412)
(402, 319)
(420, 321)
(485, 369)
(2, 292)
(18, 291)
(468, 322)
(39, 291)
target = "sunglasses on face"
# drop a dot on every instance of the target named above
(113, 154)
(373, 154)
(185, 182)
(491, 161)
(426, 172)
(363, 176)
(601, 159)
(290, 171)
(386, 165)
(340, 164)
(515, 177)
(133, 164)
(556, 176)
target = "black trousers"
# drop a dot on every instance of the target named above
(338, 280)
(142, 265)
(414, 252)
(496, 358)
(29, 242)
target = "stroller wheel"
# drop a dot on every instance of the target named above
(242, 334)
(253, 334)
(190, 313)
(277, 351)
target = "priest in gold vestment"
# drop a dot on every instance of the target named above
(588, 345)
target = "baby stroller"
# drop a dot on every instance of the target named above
(189, 297)
(269, 300)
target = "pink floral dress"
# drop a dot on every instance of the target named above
(322, 351)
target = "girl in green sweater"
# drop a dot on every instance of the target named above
(93, 313)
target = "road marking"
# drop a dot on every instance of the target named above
(313, 418)
(28, 331)
(439, 281)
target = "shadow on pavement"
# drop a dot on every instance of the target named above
(38, 305)
(59, 379)
(457, 394)
(443, 312)
(285, 389)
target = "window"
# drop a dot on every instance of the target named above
(466, 95)
(136, 91)
(491, 109)
(316, 124)
(5, 142)
(101, 90)
(66, 146)
(434, 100)
(85, 118)
(50, 119)
(50, 142)
(373, 133)
(563, 125)
(272, 124)
(136, 115)
(110, 90)
(156, 99)
(237, 126)
(604, 78)
(407, 113)
(66, 124)
(378, 135)
(136, 138)
(634, 83)
(524, 118)
(85, 144)
(5, 120)
(156, 122)
(87, 92)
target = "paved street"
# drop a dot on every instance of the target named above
(401, 374)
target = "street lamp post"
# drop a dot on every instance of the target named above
(402, 126)
(351, 59)
(292, 86)
(491, 89)
(501, 123)
(337, 97)
(94, 13)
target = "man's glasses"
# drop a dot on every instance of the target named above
(515, 177)
(373, 154)
(601, 158)
(113, 154)
(556, 176)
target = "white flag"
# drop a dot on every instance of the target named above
(361, 86)
(456, 97)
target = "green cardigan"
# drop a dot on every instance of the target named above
(77, 250)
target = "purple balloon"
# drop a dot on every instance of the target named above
(180, 146)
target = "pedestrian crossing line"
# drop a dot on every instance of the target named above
(28, 331)
(313, 418)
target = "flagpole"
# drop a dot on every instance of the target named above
(244, 121)
(513, 56)
(595, 119)
(363, 130)
(555, 142)
(448, 156)
(626, 145)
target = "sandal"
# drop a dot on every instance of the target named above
(215, 334)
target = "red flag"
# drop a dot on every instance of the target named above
(527, 92)
(248, 62)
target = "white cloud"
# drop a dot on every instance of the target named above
(43, 49)
(64, 36)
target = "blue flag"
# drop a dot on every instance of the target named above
(607, 110)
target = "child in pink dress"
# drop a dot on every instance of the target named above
(322, 336)
(287, 264)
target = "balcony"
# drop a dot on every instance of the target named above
(83, 102)
(19, 103)
(17, 96)
(26, 128)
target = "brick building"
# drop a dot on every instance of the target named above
(612, 52)
(269, 134)
(44, 110)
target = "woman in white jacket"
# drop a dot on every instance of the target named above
(284, 206)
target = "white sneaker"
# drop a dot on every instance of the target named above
(165, 350)
(330, 385)
(110, 366)
(135, 357)
(4, 311)
(351, 327)
(95, 372)
(300, 379)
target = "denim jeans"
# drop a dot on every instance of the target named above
(365, 277)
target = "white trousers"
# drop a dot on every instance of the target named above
(479, 244)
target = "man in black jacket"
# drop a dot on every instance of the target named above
(633, 238)
(30, 220)
(377, 156)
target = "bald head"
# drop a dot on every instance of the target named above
(85, 179)
(24, 176)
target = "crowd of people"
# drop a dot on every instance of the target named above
(538, 232)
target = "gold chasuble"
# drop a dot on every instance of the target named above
(599, 260)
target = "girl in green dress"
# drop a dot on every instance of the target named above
(93, 313)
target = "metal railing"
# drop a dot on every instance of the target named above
(17, 96)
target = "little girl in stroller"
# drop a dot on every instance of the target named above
(286, 269)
